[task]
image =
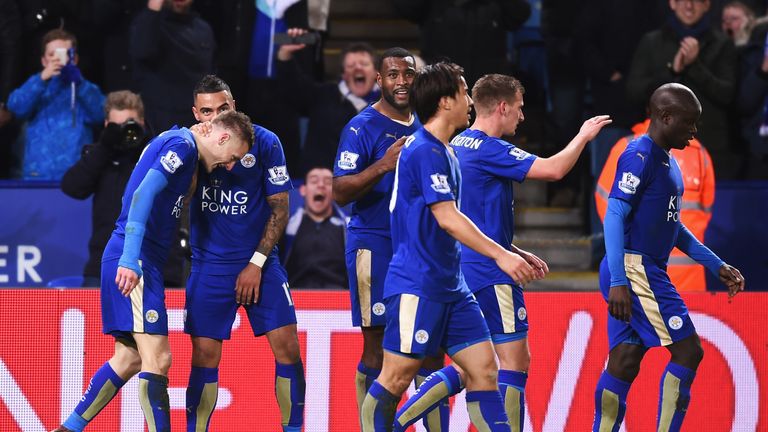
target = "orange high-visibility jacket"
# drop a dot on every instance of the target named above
(695, 213)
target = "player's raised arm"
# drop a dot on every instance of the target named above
(556, 166)
(462, 229)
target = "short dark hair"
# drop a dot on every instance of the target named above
(432, 83)
(57, 34)
(238, 123)
(210, 84)
(394, 52)
(356, 47)
(491, 89)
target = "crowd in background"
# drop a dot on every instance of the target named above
(61, 59)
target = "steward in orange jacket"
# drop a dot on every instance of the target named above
(695, 213)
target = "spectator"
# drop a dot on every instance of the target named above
(60, 107)
(172, 48)
(313, 249)
(470, 33)
(103, 171)
(753, 101)
(737, 22)
(112, 20)
(10, 38)
(687, 50)
(329, 106)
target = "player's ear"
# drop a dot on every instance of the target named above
(224, 137)
(378, 79)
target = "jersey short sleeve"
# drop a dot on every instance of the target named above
(503, 159)
(631, 176)
(433, 175)
(176, 154)
(272, 159)
(354, 152)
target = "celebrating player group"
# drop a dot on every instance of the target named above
(432, 267)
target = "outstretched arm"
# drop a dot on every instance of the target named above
(555, 167)
(249, 279)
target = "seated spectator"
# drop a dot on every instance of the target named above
(331, 105)
(60, 107)
(313, 245)
(688, 50)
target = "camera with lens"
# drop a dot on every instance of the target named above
(123, 137)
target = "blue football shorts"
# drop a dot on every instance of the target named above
(211, 304)
(143, 311)
(659, 316)
(367, 269)
(418, 327)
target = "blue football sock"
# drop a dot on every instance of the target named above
(674, 396)
(512, 389)
(104, 385)
(364, 377)
(289, 388)
(486, 410)
(202, 392)
(610, 403)
(432, 393)
(436, 419)
(153, 396)
(378, 411)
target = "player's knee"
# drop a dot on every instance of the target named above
(126, 363)
(159, 363)
(288, 352)
(624, 365)
(482, 376)
(695, 354)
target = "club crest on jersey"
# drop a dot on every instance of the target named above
(248, 160)
(675, 322)
(628, 183)
(440, 183)
(518, 154)
(348, 160)
(278, 175)
(171, 161)
(421, 336)
(522, 314)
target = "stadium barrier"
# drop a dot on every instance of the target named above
(52, 344)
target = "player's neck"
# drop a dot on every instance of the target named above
(202, 151)
(440, 128)
(388, 110)
(657, 138)
(488, 125)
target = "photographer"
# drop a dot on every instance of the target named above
(103, 171)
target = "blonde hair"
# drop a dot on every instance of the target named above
(124, 100)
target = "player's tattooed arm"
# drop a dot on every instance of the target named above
(276, 222)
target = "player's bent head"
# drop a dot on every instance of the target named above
(238, 124)
(395, 52)
(674, 99)
(432, 83)
(492, 89)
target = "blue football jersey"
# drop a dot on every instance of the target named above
(174, 154)
(230, 209)
(364, 141)
(489, 166)
(426, 258)
(649, 179)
